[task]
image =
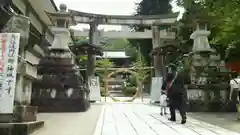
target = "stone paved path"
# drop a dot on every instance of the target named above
(226, 120)
(140, 119)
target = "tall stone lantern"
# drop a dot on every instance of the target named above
(205, 66)
(200, 38)
(201, 52)
(61, 88)
(61, 20)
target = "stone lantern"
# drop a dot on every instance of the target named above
(62, 20)
(61, 84)
(200, 37)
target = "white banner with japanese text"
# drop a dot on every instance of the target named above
(9, 43)
(156, 88)
(94, 86)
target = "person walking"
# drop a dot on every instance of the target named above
(235, 90)
(177, 94)
(163, 103)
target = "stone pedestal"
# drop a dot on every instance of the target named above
(20, 114)
(25, 113)
(23, 121)
(23, 128)
(6, 118)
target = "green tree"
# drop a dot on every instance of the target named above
(116, 44)
(104, 63)
(141, 72)
(149, 7)
(223, 17)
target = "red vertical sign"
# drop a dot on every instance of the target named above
(3, 49)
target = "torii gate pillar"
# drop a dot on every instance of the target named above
(94, 40)
(157, 60)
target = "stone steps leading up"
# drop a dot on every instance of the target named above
(116, 93)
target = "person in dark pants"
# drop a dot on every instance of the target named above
(177, 94)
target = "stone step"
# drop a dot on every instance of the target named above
(115, 83)
(115, 89)
(117, 93)
(116, 80)
(24, 128)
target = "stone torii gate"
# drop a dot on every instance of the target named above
(155, 21)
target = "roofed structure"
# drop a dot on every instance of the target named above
(83, 48)
(168, 47)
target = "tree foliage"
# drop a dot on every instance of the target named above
(142, 74)
(149, 7)
(223, 17)
(104, 63)
(115, 44)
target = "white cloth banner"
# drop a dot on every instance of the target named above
(9, 43)
(94, 86)
(156, 88)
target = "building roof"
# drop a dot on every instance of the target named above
(48, 5)
(167, 47)
(38, 5)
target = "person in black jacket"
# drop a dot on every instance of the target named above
(177, 95)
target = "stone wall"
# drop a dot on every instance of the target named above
(197, 101)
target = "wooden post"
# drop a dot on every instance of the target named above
(105, 84)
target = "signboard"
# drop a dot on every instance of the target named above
(94, 86)
(3, 40)
(156, 88)
(9, 43)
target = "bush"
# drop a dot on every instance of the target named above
(132, 81)
(129, 91)
(102, 90)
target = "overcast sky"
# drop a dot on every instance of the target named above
(111, 7)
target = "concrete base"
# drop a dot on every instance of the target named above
(6, 118)
(48, 105)
(24, 128)
(25, 113)
(20, 114)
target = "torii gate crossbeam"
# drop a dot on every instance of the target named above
(81, 17)
(127, 34)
